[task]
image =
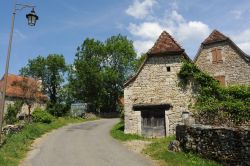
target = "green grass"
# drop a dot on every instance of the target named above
(117, 132)
(158, 150)
(17, 145)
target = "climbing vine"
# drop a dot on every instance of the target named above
(215, 103)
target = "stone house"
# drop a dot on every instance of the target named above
(153, 102)
(23, 88)
(221, 58)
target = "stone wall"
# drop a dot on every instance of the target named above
(227, 145)
(235, 69)
(155, 85)
(25, 110)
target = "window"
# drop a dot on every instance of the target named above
(221, 79)
(168, 69)
(216, 55)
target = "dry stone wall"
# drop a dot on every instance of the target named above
(155, 85)
(235, 69)
(227, 145)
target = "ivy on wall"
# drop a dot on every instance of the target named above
(216, 103)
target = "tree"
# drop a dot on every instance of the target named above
(100, 70)
(50, 70)
(85, 75)
(119, 60)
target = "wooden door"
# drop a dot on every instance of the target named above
(153, 123)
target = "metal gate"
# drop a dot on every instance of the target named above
(153, 123)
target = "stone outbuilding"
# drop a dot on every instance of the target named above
(23, 88)
(221, 58)
(154, 103)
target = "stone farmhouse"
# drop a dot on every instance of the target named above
(15, 92)
(221, 58)
(153, 101)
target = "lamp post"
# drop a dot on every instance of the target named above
(32, 18)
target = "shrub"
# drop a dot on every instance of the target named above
(215, 102)
(42, 116)
(58, 110)
(12, 111)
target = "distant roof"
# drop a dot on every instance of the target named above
(214, 37)
(14, 87)
(165, 44)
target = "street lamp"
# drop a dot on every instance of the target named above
(32, 18)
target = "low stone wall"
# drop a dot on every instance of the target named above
(228, 146)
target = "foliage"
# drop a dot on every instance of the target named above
(58, 109)
(138, 62)
(117, 132)
(50, 70)
(99, 71)
(42, 116)
(213, 100)
(17, 145)
(12, 111)
(158, 151)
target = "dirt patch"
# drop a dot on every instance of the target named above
(137, 146)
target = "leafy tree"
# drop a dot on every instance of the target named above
(100, 70)
(138, 62)
(50, 70)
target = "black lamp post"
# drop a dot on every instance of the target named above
(32, 18)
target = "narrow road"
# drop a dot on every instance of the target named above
(85, 144)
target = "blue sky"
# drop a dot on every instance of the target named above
(63, 25)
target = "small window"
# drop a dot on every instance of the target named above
(168, 69)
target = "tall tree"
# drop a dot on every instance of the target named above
(100, 69)
(50, 70)
(85, 78)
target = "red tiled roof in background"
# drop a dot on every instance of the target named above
(165, 44)
(214, 37)
(15, 90)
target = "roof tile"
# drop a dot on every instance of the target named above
(165, 44)
(214, 37)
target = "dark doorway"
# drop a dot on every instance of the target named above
(153, 123)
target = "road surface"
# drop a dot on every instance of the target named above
(85, 144)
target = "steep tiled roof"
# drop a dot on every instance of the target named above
(15, 88)
(214, 37)
(165, 44)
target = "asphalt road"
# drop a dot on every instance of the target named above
(86, 144)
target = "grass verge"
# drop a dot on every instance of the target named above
(158, 150)
(17, 145)
(117, 132)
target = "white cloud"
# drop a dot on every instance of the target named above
(141, 9)
(243, 40)
(146, 30)
(142, 46)
(145, 33)
(192, 31)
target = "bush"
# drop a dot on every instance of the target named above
(216, 103)
(58, 110)
(42, 116)
(12, 111)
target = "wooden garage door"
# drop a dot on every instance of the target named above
(153, 123)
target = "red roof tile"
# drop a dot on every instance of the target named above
(14, 88)
(214, 37)
(165, 44)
